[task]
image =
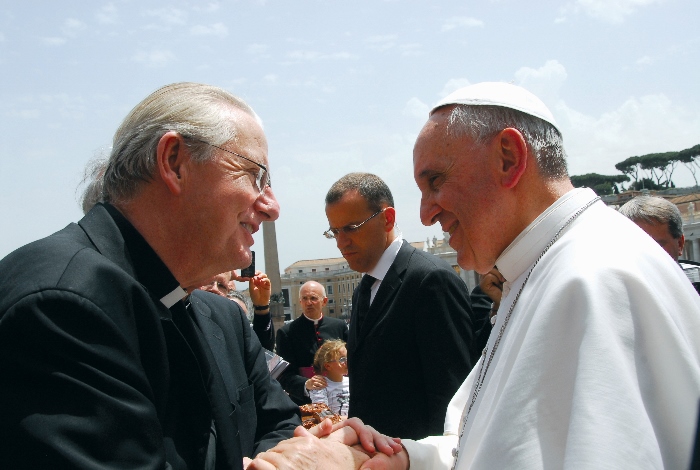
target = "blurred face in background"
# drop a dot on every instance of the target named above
(312, 298)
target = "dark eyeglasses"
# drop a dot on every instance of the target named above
(262, 178)
(349, 229)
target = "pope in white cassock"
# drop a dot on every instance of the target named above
(593, 361)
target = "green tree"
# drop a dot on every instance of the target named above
(689, 158)
(661, 167)
(630, 167)
(645, 183)
(601, 184)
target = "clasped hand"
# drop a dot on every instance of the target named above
(349, 444)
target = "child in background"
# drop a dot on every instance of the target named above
(331, 361)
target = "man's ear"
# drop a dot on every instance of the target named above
(681, 244)
(171, 156)
(514, 155)
(390, 217)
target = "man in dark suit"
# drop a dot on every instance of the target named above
(105, 361)
(298, 341)
(409, 341)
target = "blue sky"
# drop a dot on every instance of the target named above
(340, 86)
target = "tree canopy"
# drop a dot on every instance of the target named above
(650, 171)
(601, 184)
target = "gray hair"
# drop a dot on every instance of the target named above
(655, 210)
(371, 187)
(202, 112)
(236, 294)
(93, 181)
(483, 123)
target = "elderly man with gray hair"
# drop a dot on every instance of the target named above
(659, 218)
(594, 358)
(105, 360)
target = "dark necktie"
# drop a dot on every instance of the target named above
(364, 297)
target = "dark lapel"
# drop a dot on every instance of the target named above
(382, 301)
(214, 336)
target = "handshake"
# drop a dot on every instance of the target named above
(349, 444)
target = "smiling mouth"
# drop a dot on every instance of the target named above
(451, 229)
(249, 228)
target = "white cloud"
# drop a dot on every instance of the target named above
(646, 60)
(217, 29)
(53, 41)
(461, 22)
(312, 56)
(545, 81)
(210, 7)
(56, 107)
(23, 113)
(166, 17)
(108, 14)
(154, 58)
(612, 11)
(648, 124)
(381, 43)
(257, 49)
(416, 108)
(411, 50)
(452, 85)
(71, 27)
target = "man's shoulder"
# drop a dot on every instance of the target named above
(334, 322)
(418, 261)
(42, 264)
(65, 264)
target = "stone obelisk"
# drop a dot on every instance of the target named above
(272, 266)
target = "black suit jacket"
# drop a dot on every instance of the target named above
(412, 351)
(98, 373)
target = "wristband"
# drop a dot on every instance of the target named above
(261, 307)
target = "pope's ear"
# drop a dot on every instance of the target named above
(514, 155)
(171, 156)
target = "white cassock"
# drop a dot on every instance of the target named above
(599, 364)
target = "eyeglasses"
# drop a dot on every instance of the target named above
(262, 178)
(341, 360)
(348, 229)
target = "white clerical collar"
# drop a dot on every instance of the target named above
(315, 322)
(387, 259)
(523, 251)
(174, 297)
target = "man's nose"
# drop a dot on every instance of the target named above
(267, 204)
(342, 240)
(428, 211)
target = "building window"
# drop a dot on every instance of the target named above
(330, 301)
(301, 270)
(329, 289)
(328, 269)
(313, 270)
